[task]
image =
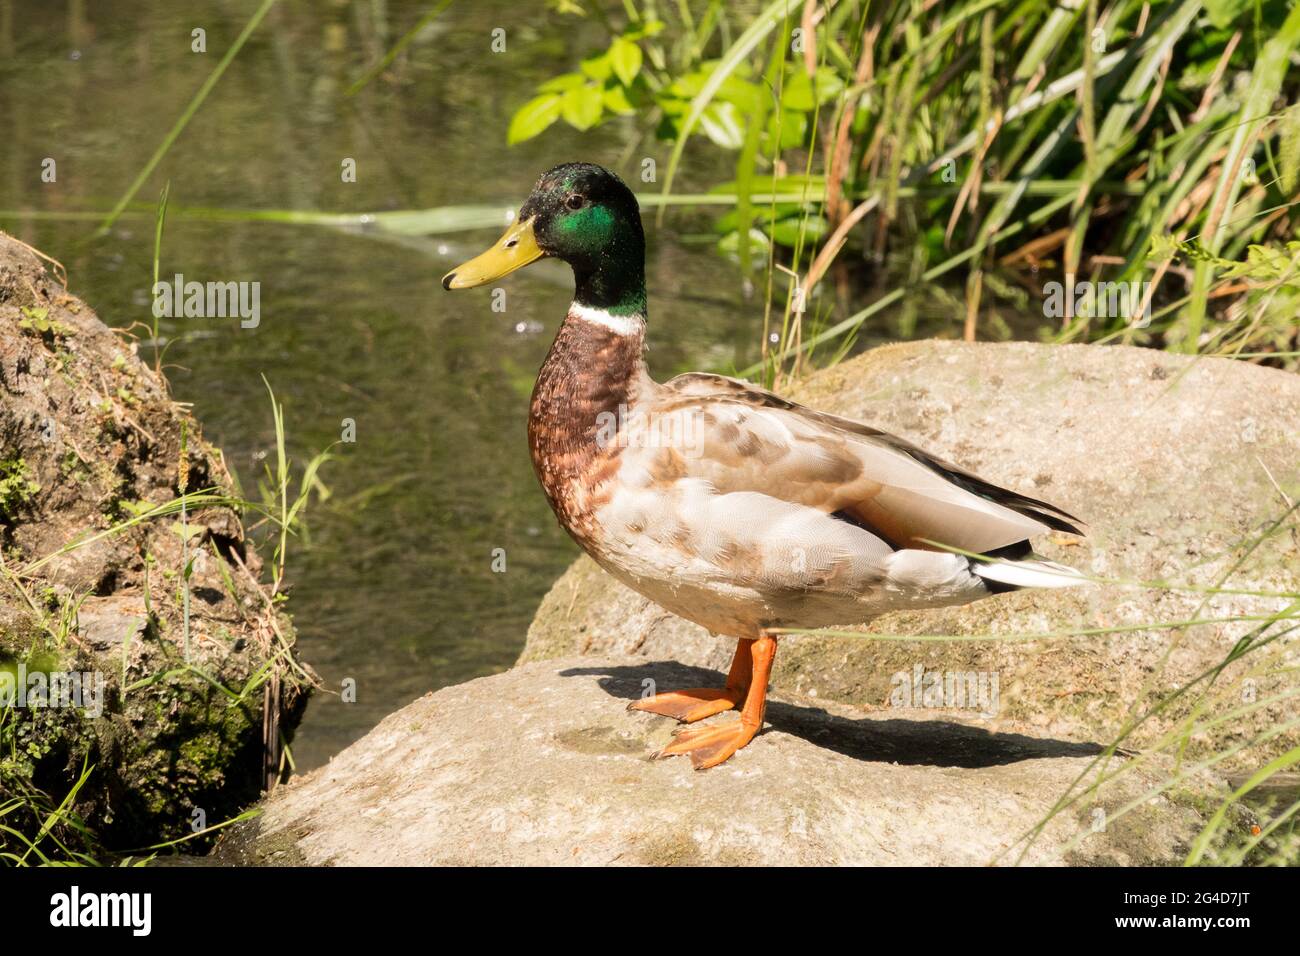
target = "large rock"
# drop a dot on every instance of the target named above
(543, 765)
(90, 440)
(1177, 465)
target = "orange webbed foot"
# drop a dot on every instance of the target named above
(746, 688)
(690, 705)
(709, 746)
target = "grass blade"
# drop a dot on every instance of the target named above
(185, 117)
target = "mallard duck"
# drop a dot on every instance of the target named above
(723, 502)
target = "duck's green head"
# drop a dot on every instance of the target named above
(585, 215)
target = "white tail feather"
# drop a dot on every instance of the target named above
(1029, 574)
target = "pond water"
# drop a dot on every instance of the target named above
(394, 585)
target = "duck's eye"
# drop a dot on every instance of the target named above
(575, 202)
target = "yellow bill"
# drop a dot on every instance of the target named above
(514, 250)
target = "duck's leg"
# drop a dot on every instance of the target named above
(696, 703)
(710, 746)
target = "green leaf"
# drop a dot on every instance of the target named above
(744, 93)
(788, 232)
(533, 117)
(764, 216)
(581, 107)
(616, 101)
(598, 67)
(185, 531)
(799, 94)
(794, 127)
(647, 28)
(1223, 12)
(1166, 247)
(673, 106)
(565, 81)
(723, 124)
(729, 245)
(625, 58)
(1267, 264)
(814, 184)
(38, 320)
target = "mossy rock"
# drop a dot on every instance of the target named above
(88, 436)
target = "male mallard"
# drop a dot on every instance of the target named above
(723, 502)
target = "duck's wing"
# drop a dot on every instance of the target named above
(742, 438)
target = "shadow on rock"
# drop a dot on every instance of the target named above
(936, 743)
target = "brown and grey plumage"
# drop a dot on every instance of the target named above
(723, 502)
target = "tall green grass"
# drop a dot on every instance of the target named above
(1009, 140)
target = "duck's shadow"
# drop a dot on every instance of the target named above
(937, 743)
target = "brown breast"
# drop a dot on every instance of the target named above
(585, 387)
